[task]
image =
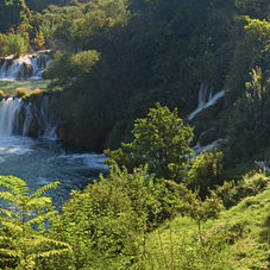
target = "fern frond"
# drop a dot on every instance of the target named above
(4, 239)
(41, 218)
(43, 189)
(9, 252)
(9, 213)
(11, 225)
(6, 195)
(41, 239)
(38, 203)
(16, 185)
(55, 252)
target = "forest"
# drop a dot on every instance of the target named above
(175, 94)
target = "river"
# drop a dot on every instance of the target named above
(45, 159)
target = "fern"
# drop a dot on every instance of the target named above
(19, 240)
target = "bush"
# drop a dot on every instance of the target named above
(251, 184)
(35, 96)
(206, 172)
(3, 45)
(21, 92)
(2, 94)
(107, 222)
(16, 44)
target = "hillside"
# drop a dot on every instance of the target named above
(154, 116)
(238, 239)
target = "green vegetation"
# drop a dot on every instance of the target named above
(159, 206)
(161, 140)
(10, 87)
(135, 218)
(2, 94)
(21, 92)
(23, 245)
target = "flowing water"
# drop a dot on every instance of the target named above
(206, 100)
(25, 67)
(41, 160)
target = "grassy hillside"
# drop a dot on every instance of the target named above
(239, 239)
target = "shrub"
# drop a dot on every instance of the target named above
(16, 44)
(21, 92)
(251, 184)
(107, 222)
(39, 40)
(3, 45)
(35, 96)
(205, 172)
(2, 94)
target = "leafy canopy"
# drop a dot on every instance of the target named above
(161, 140)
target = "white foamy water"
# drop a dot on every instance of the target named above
(206, 100)
(17, 116)
(29, 66)
(40, 162)
(198, 148)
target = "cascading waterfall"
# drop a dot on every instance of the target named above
(9, 110)
(18, 117)
(206, 100)
(41, 160)
(26, 67)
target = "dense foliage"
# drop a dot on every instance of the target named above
(118, 58)
(113, 60)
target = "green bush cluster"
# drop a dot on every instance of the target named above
(106, 225)
(13, 44)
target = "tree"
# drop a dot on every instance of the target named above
(205, 172)
(161, 140)
(22, 242)
(39, 40)
(202, 210)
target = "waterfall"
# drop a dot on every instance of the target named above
(18, 117)
(9, 110)
(205, 100)
(26, 67)
(198, 148)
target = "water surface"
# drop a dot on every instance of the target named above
(41, 161)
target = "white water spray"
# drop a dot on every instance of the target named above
(26, 67)
(17, 116)
(205, 100)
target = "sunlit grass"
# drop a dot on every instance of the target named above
(244, 230)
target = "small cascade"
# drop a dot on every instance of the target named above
(206, 99)
(9, 110)
(198, 148)
(18, 117)
(46, 120)
(26, 67)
